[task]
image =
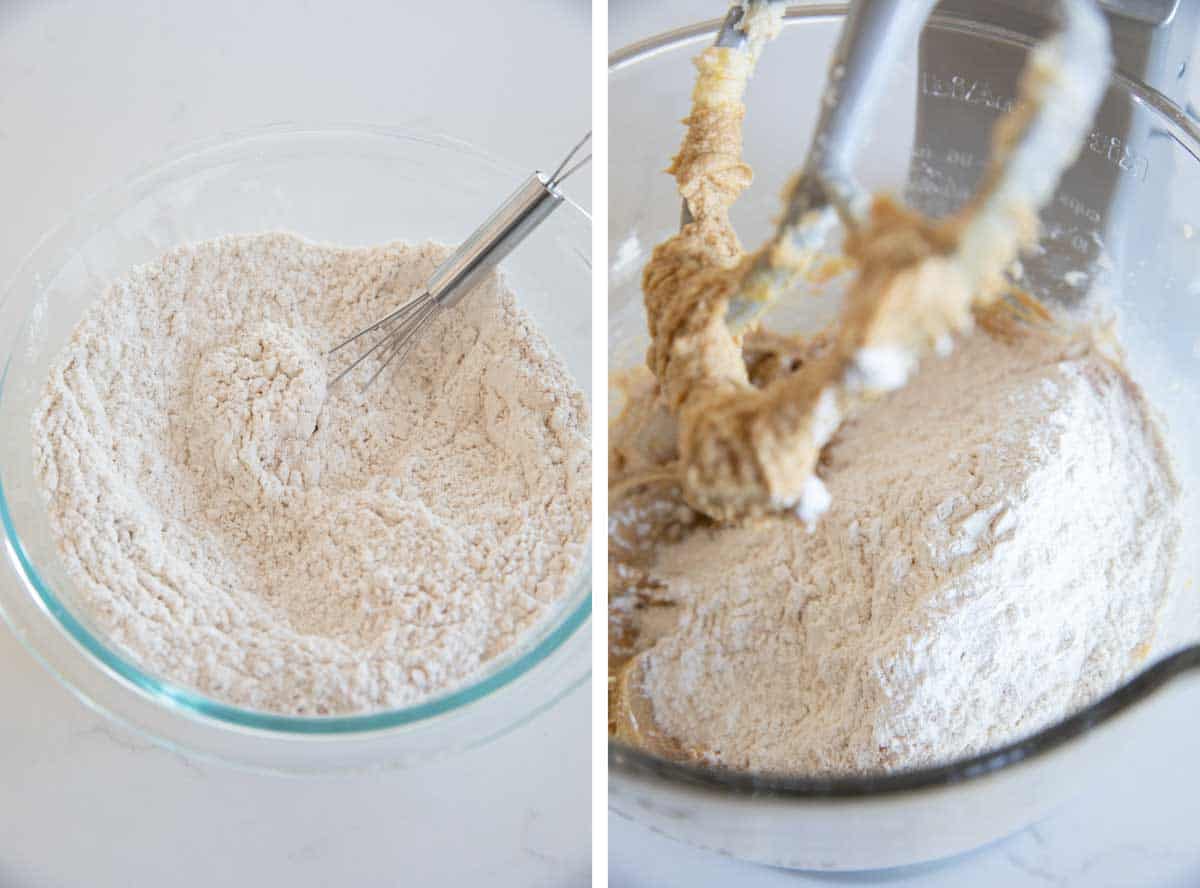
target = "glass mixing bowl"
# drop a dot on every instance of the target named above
(1119, 235)
(343, 184)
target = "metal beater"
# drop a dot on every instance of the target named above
(1023, 172)
(524, 210)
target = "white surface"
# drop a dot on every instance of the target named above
(89, 94)
(1141, 828)
(1136, 828)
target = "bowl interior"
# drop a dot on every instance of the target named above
(1119, 238)
(343, 185)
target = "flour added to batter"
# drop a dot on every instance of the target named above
(939, 525)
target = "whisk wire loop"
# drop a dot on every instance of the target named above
(524, 210)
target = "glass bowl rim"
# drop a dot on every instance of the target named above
(724, 782)
(175, 697)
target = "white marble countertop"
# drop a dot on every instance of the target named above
(89, 93)
(1141, 827)
(83, 803)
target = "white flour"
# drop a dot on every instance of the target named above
(238, 533)
(996, 555)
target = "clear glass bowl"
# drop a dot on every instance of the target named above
(349, 185)
(1125, 216)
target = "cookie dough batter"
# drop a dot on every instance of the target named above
(748, 451)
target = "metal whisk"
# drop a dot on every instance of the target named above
(524, 210)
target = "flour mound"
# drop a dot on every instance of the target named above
(255, 403)
(998, 549)
(236, 527)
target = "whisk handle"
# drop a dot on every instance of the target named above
(523, 211)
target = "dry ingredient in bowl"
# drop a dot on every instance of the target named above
(243, 531)
(821, 563)
(997, 550)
